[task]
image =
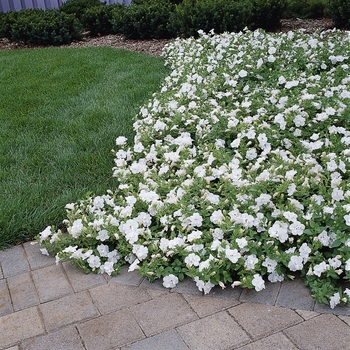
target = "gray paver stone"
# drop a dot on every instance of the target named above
(261, 320)
(157, 284)
(109, 298)
(187, 286)
(132, 278)
(226, 293)
(338, 310)
(295, 295)
(13, 261)
(346, 319)
(324, 332)
(80, 280)
(266, 296)
(169, 340)
(51, 283)
(215, 332)
(64, 339)
(163, 313)
(277, 341)
(110, 331)
(306, 314)
(20, 325)
(23, 292)
(35, 257)
(206, 305)
(5, 299)
(13, 348)
(154, 293)
(67, 310)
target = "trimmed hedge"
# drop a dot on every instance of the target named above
(306, 9)
(79, 7)
(147, 19)
(98, 19)
(50, 27)
(340, 12)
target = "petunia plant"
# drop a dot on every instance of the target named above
(238, 173)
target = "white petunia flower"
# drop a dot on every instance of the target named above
(295, 263)
(170, 281)
(258, 282)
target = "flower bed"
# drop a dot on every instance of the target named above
(238, 172)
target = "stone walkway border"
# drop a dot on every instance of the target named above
(47, 306)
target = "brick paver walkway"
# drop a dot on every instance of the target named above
(44, 306)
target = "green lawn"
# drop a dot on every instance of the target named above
(60, 112)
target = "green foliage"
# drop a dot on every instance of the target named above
(225, 15)
(306, 9)
(148, 20)
(340, 12)
(97, 19)
(266, 14)
(79, 7)
(6, 21)
(50, 27)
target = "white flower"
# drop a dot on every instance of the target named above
(270, 264)
(170, 281)
(134, 265)
(76, 228)
(44, 251)
(334, 301)
(107, 267)
(217, 217)
(103, 250)
(304, 250)
(295, 263)
(250, 261)
(274, 277)
(320, 268)
(45, 234)
(279, 230)
(242, 73)
(121, 140)
(94, 261)
(242, 242)
(347, 265)
(334, 262)
(297, 228)
(140, 251)
(102, 235)
(232, 254)
(192, 260)
(258, 282)
(203, 286)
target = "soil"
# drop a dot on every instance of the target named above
(154, 47)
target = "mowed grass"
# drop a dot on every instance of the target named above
(61, 110)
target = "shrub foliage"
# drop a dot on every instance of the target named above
(340, 11)
(49, 27)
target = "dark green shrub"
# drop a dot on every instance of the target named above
(340, 13)
(306, 9)
(266, 14)
(226, 15)
(6, 21)
(79, 7)
(220, 15)
(147, 20)
(97, 19)
(50, 27)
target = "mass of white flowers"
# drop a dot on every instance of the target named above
(238, 173)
